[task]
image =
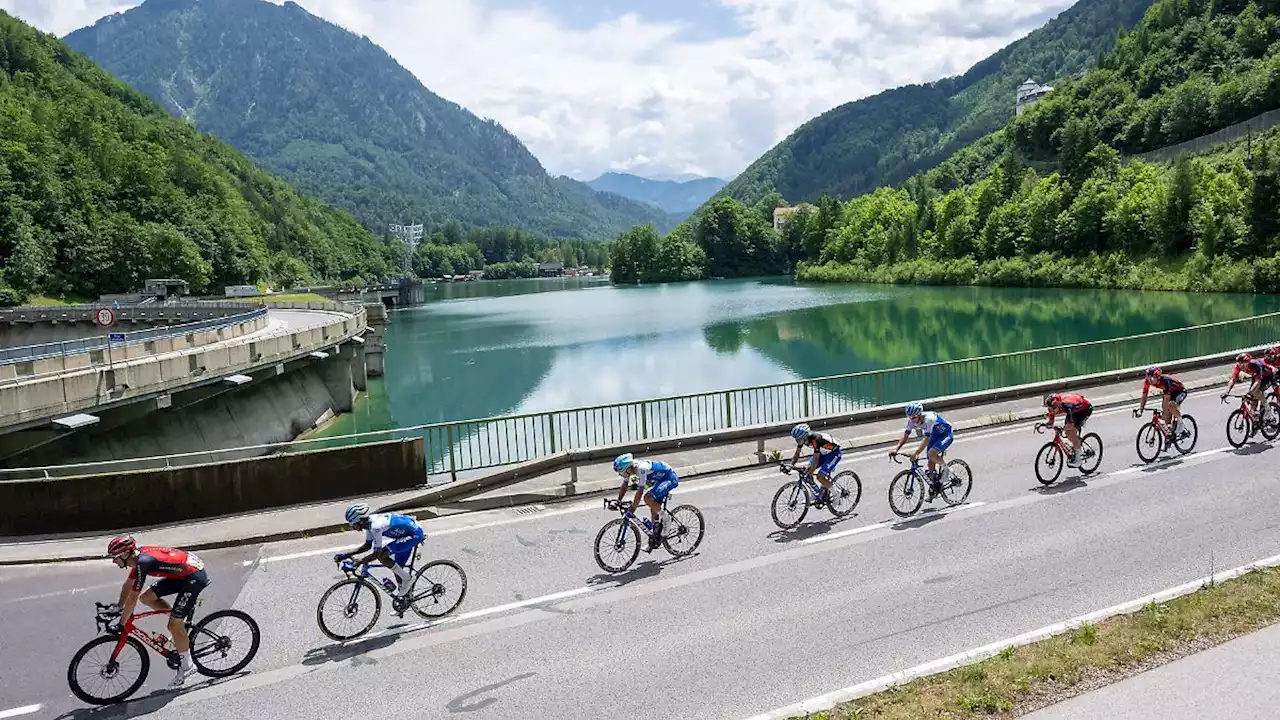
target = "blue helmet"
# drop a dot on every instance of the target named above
(622, 462)
(800, 432)
(356, 513)
(914, 409)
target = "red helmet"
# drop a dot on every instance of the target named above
(1154, 373)
(1243, 358)
(121, 546)
(1273, 351)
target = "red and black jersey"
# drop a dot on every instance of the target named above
(1068, 403)
(1167, 383)
(1254, 368)
(164, 562)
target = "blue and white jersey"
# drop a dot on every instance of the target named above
(385, 528)
(649, 473)
(927, 424)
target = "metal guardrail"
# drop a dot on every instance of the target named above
(470, 445)
(28, 353)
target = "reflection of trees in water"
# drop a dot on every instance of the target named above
(724, 338)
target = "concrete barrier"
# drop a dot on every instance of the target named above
(106, 502)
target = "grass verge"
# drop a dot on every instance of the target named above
(1020, 680)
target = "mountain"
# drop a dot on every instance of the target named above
(341, 119)
(886, 138)
(677, 198)
(101, 189)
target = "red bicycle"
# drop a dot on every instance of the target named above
(1242, 423)
(1053, 455)
(119, 656)
(1153, 436)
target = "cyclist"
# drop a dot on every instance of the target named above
(181, 573)
(822, 463)
(1173, 394)
(938, 436)
(1262, 374)
(392, 538)
(1076, 409)
(653, 480)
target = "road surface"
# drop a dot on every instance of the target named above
(755, 620)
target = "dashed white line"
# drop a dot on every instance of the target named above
(24, 710)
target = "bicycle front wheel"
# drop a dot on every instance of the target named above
(790, 504)
(617, 545)
(1185, 437)
(1090, 453)
(1150, 442)
(1238, 428)
(340, 610)
(224, 642)
(1271, 422)
(686, 534)
(98, 680)
(906, 493)
(956, 490)
(437, 589)
(845, 493)
(1049, 462)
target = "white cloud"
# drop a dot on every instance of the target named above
(640, 95)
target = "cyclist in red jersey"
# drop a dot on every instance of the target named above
(1076, 408)
(1173, 394)
(181, 573)
(1261, 374)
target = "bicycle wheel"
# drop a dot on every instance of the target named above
(95, 678)
(1049, 462)
(1239, 428)
(1186, 435)
(1271, 422)
(431, 596)
(218, 635)
(1090, 453)
(846, 493)
(612, 541)
(344, 601)
(687, 534)
(791, 499)
(911, 489)
(958, 488)
(1150, 442)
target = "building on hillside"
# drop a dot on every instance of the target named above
(1028, 93)
(165, 288)
(550, 269)
(782, 213)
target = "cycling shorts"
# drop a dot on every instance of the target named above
(828, 463)
(1079, 416)
(663, 487)
(187, 590)
(1180, 397)
(401, 549)
(941, 437)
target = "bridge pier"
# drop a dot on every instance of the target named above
(375, 348)
(336, 373)
(359, 370)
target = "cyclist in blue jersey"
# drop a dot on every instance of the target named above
(822, 463)
(392, 538)
(653, 480)
(938, 436)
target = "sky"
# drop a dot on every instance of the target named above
(659, 88)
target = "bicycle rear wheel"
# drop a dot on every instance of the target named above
(1090, 453)
(906, 494)
(957, 489)
(1049, 462)
(1239, 428)
(1150, 442)
(790, 504)
(1271, 422)
(98, 680)
(619, 544)
(845, 493)
(686, 536)
(343, 601)
(431, 595)
(1185, 437)
(218, 635)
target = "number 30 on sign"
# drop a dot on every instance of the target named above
(104, 317)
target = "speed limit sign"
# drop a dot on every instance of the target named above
(105, 317)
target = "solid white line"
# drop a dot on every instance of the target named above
(853, 692)
(25, 710)
(887, 523)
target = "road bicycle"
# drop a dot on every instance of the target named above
(620, 539)
(798, 496)
(1053, 455)
(429, 595)
(1153, 436)
(118, 658)
(1241, 424)
(913, 483)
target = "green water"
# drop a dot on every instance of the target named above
(496, 348)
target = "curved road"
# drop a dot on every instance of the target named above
(755, 620)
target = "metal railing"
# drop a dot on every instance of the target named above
(29, 353)
(470, 445)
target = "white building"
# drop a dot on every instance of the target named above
(1028, 93)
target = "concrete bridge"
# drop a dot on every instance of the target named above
(395, 292)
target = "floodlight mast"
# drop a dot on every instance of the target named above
(410, 235)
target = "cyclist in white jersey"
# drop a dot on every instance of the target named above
(938, 436)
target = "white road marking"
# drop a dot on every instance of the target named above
(24, 710)
(853, 692)
(888, 523)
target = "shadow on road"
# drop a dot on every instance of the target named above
(339, 653)
(1253, 448)
(640, 571)
(471, 702)
(144, 705)
(925, 517)
(808, 530)
(1058, 488)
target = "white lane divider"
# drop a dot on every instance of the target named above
(889, 523)
(24, 710)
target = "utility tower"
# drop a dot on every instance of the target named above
(410, 235)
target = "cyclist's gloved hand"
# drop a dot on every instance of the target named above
(1137, 412)
(340, 557)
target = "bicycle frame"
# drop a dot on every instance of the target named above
(129, 627)
(366, 572)
(805, 475)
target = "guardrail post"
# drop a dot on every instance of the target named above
(728, 409)
(879, 388)
(944, 380)
(805, 386)
(644, 420)
(551, 431)
(453, 465)
(760, 451)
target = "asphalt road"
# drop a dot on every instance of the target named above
(755, 620)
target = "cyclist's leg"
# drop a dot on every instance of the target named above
(184, 606)
(1073, 433)
(937, 446)
(827, 467)
(396, 558)
(653, 497)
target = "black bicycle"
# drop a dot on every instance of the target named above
(430, 595)
(908, 488)
(796, 497)
(618, 542)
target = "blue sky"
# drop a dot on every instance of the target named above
(655, 87)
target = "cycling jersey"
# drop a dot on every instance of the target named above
(1254, 368)
(1167, 384)
(650, 472)
(1074, 405)
(932, 421)
(822, 443)
(387, 529)
(164, 562)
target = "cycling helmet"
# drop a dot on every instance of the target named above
(356, 513)
(1244, 358)
(622, 462)
(1273, 351)
(914, 409)
(800, 432)
(121, 546)
(1049, 400)
(1154, 373)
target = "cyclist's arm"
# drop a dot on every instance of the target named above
(1146, 389)
(1235, 375)
(901, 442)
(1052, 414)
(622, 490)
(639, 494)
(363, 547)
(129, 593)
(923, 444)
(795, 456)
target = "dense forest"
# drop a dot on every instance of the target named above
(884, 139)
(338, 117)
(501, 252)
(984, 217)
(100, 189)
